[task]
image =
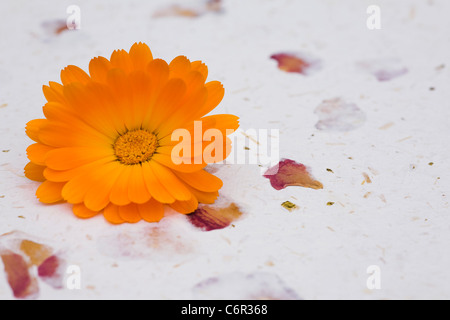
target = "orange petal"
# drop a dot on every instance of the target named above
(185, 112)
(66, 175)
(32, 128)
(37, 153)
(103, 180)
(50, 192)
(158, 71)
(226, 123)
(151, 211)
(185, 207)
(222, 122)
(72, 74)
(154, 186)
(54, 92)
(119, 192)
(34, 172)
(120, 86)
(166, 104)
(98, 69)
(130, 213)
(59, 111)
(140, 55)
(77, 187)
(68, 158)
(142, 97)
(170, 181)
(103, 106)
(111, 214)
(198, 102)
(201, 180)
(179, 67)
(137, 189)
(166, 160)
(121, 59)
(84, 100)
(65, 119)
(200, 67)
(215, 96)
(64, 135)
(204, 197)
(81, 211)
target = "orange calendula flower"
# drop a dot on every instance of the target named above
(106, 143)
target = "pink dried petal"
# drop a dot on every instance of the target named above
(19, 279)
(51, 271)
(296, 62)
(210, 218)
(290, 173)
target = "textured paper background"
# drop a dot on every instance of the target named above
(399, 222)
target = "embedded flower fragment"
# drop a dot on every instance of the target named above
(36, 252)
(52, 271)
(290, 173)
(210, 218)
(21, 256)
(296, 62)
(107, 142)
(22, 283)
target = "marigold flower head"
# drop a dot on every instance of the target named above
(106, 144)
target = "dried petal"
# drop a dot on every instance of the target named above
(290, 173)
(296, 62)
(35, 251)
(21, 282)
(210, 218)
(51, 271)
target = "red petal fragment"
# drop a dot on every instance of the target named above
(51, 271)
(296, 62)
(210, 218)
(19, 279)
(290, 173)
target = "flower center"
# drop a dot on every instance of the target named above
(135, 146)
